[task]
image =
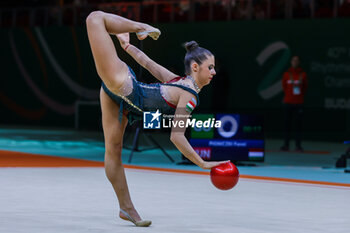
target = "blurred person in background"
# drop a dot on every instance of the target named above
(259, 10)
(241, 10)
(294, 87)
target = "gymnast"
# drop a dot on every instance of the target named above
(124, 99)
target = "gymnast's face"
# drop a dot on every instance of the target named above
(206, 70)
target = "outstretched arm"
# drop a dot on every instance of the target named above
(158, 71)
(178, 134)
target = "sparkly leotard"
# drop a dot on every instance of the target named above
(137, 97)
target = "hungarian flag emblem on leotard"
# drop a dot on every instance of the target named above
(191, 105)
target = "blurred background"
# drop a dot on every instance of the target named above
(48, 78)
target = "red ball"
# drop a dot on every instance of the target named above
(224, 176)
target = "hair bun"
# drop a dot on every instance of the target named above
(190, 46)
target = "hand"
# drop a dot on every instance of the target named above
(124, 39)
(209, 165)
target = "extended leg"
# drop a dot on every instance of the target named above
(109, 67)
(113, 133)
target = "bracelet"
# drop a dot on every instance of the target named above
(126, 47)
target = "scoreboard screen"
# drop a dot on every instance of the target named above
(239, 138)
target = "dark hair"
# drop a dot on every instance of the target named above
(194, 53)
